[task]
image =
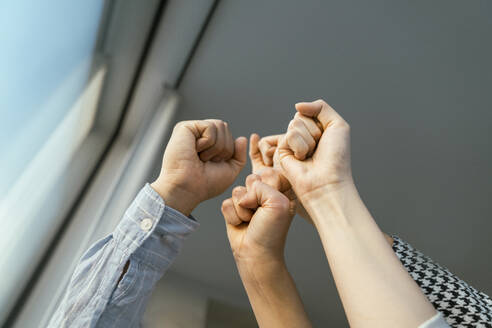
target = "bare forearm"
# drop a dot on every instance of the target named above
(273, 295)
(375, 289)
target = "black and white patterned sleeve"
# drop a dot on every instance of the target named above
(460, 304)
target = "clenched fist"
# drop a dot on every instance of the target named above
(263, 154)
(201, 160)
(314, 155)
(258, 218)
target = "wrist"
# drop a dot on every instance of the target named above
(331, 202)
(179, 199)
(261, 271)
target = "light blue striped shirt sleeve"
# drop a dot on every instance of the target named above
(149, 236)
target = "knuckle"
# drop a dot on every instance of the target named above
(263, 144)
(212, 127)
(238, 190)
(251, 177)
(210, 122)
(225, 204)
(256, 184)
(345, 126)
(272, 140)
(290, 136)
(297, 123)
(180, 125)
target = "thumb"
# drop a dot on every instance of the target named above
(320, 111)
(254, 152)
(238, 160)
(262, 195)
(290, 166)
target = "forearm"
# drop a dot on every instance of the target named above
(375, 289)
(273, 295)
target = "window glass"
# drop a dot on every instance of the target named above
(49, 86)
(45, 62)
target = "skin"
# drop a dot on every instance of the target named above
(375, 289)
(263, 154)
(258, 218)
(200, 162)
(265, 161)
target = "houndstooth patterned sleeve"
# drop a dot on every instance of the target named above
(460, 304)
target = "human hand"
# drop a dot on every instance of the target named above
(370, 279)
(262, 150)
(201, 160)
(263, 154)
(328, 169)
(257, 218)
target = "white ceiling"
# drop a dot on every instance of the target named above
(412, 78)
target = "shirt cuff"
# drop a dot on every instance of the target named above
(437, 321)
(151, 231)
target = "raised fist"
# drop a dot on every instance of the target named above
(200, 162)
(327, 168)
(258, 218)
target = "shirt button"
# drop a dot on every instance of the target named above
(146, 224)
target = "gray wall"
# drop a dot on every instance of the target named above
(413, 78)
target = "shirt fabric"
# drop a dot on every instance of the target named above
(459, 303)
(149, 236)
